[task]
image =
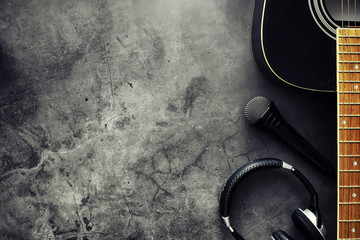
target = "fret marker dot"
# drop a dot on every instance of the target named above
(354, 163)
(356, 86)
(353, 230)
(356, 66)
(343, 122)
(353, 195)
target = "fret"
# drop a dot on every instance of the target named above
(349, 81)
(340, 141)
(346, 52)
(348, 57)
(350, 128)
(349, 61)
(348, 68)
(349, 203)
(345, 103)
(348, 36)
(352, 92)
(352, 220)
(344, 186)
(349, 170)
(349, 44)
(349, 115)
(348, 238)
(349, 155)
(355, 37)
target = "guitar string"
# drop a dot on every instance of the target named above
(352, 107)
(346, 145)
(355, 11)
(348, 13)
(356, 193)
(349, 48)
(340, 213)
(353, 97)
(343, 131)
(358, 150)
(348, 137)
(342, 13)
(350, 174)
(348, 131)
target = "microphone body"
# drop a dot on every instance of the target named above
(273, 121)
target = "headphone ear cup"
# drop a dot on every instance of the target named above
(305, 225)
(281, 235)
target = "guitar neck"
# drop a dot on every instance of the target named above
(348, 128)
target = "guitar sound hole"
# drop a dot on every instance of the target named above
(350, 13)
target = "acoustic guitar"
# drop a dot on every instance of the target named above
(302, 44)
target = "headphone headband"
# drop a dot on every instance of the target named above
(245, 170)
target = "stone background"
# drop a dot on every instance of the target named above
(123, 119)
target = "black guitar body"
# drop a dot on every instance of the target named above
(292, 47)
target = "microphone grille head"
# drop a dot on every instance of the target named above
(256, 108)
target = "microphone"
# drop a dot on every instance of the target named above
(263, 113)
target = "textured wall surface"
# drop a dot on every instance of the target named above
(123, 119)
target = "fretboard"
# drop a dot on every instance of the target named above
(348, 127)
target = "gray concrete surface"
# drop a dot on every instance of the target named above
(123, 119)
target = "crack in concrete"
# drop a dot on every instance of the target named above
(156, 183)
(23, 170)
(80, 222)
(195, 163)
(110, 76)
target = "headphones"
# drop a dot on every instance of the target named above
(308, 220)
